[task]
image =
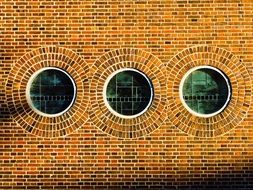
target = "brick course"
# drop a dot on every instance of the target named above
(75, 153)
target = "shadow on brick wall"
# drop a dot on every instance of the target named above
(5, 115)
(229, 180)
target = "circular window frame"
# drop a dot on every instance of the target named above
(28, 87)
(115, 112)
(181, 91)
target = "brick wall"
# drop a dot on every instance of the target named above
(89, 148)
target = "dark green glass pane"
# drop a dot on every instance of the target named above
(205, 91)
(52, 91)
(128, 92)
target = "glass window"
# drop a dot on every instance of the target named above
(129, 93)
(51, 91)
(205, 91)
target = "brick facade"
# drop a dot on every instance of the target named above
(90, 148)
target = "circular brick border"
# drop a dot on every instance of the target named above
(19, 76)
(139, 126)
(241, 87)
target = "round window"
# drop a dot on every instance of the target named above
(128, 93)
(205, 91)
(51, 91)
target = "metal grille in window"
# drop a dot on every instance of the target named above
(52, 91)
(206, 90)
(129, 92)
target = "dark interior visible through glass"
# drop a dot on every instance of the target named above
(129, 92)
(205, 91)
(52, 91)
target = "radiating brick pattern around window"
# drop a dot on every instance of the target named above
(19, 76)
(237, 75)
(146, 63)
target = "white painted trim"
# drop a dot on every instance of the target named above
(28, 97)
(110, 108)
(181, 91)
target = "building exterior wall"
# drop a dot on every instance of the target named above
(90, 148)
